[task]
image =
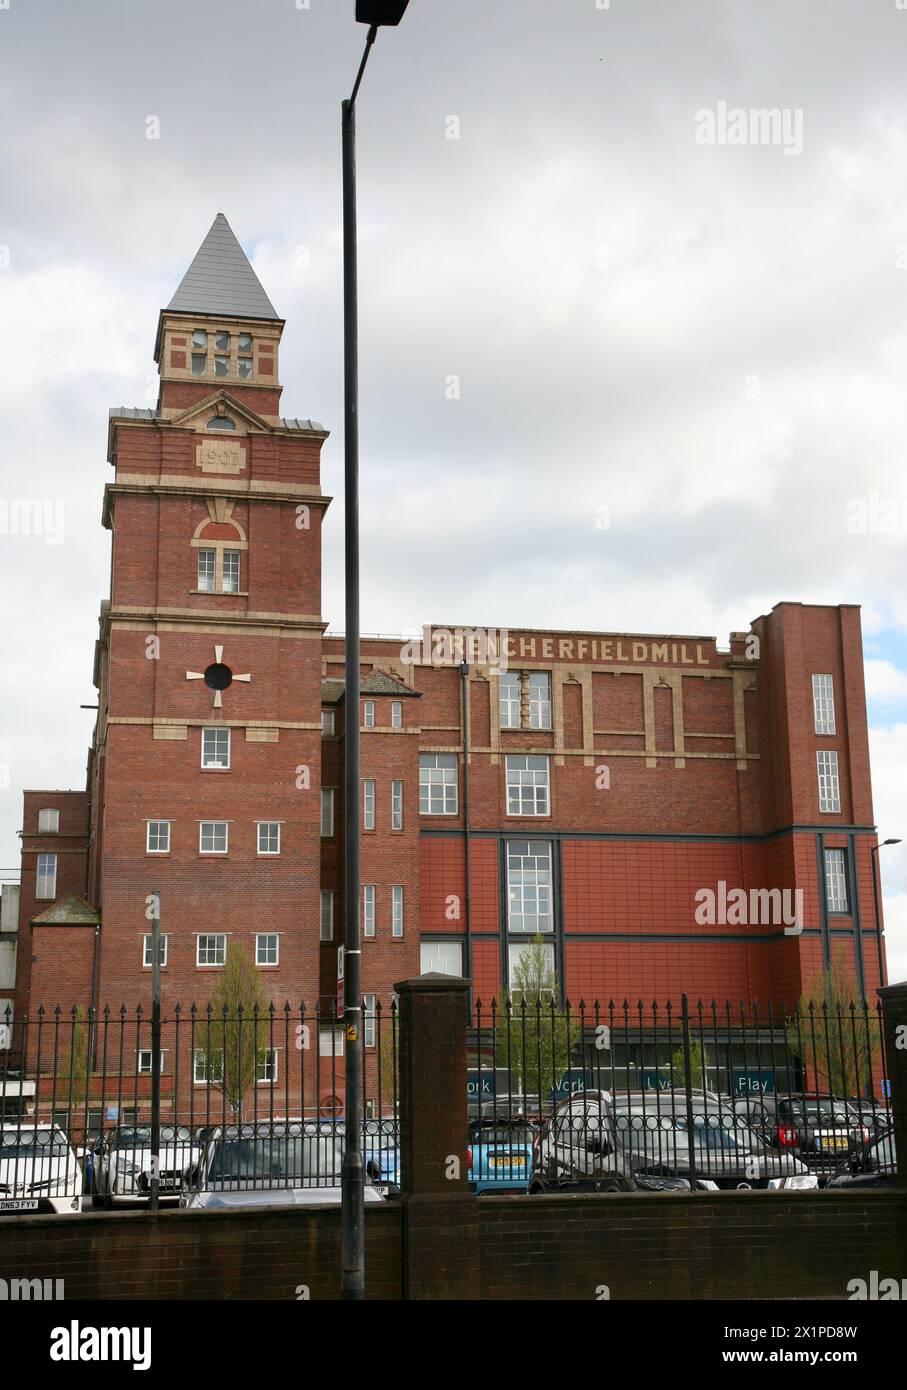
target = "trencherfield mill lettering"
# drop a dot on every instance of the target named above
(579, 787)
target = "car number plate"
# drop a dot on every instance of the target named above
(19, 1204)
(833, 1141)
(516, 1161)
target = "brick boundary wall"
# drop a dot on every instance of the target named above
(731, 1245)
(724, 1245)
(180, 1255)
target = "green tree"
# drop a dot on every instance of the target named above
(832, 1035)
(236, 1043)
(536, 1043)
(697, 1068)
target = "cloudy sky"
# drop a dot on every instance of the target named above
(575, 306)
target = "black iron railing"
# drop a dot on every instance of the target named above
(79, 1089)
(673, 1096)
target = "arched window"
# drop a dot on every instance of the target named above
(220, 422)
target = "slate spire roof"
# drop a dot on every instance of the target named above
(221, 281)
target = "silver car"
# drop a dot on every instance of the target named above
(272, 1163)
(122, 1163)
(579, 1147)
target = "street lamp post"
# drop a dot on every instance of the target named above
(376, 14)
(875, 901)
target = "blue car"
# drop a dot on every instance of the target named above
(500, 1154)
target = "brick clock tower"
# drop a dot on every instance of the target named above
(205, 771)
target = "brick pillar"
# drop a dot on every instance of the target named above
(440, 1220)
(894, 1011)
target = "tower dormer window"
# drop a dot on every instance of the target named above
(199, 363)
(221, 366)
(244, 356)
(222, 342)
(200, 339)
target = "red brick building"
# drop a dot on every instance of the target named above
(654, 807)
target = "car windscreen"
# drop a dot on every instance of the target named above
(140, 1137)
(654, 1132)
(275, 1158)
(31, 1143)
(813, 1112)
(500, 1134)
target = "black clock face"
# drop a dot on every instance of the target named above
(218, 676)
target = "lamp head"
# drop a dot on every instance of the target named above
(380, 12)
(891, 842)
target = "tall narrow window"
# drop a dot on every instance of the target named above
(836, 880)
(368, 714)
(540, 700)
(529, 886)
(829, 784)
(231, 571)
(327, 812)
(368, 803)
(396, 714)
(369, 1003)
(327, 915)
(216, 748)
(368, 909)
(397, 910)
(46, 886)
(396, 805)
(824, 704)
(207, 570)
(509, 692)
(244, 356)
(527, 786)
(327, 722)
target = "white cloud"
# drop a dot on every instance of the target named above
(885, 681)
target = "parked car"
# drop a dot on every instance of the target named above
(273, 1163)
(720, 1146)
(578, 1147)
(500, 1154)
(380, 1150)
(876, 1166)
(874, 1115)
(121, 1165)
(819, 1130)
(39, 1170)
